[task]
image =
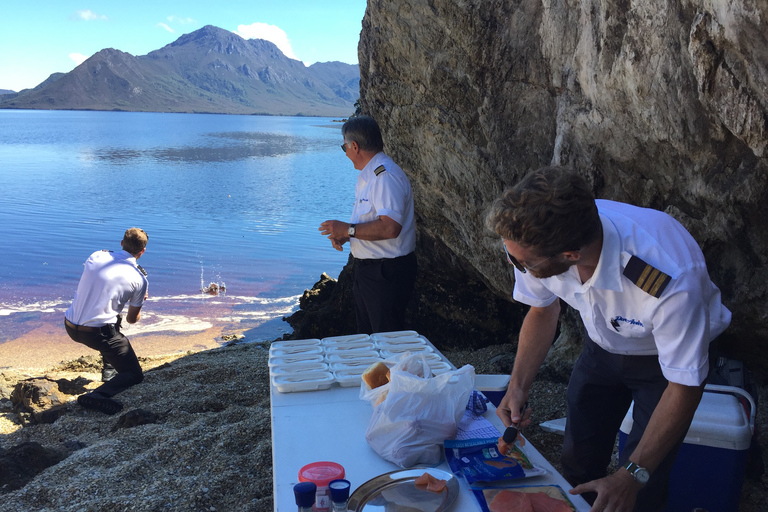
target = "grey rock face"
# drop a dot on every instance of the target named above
(662, 105)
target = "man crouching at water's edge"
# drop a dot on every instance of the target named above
(109, 281)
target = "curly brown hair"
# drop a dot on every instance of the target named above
(551, 210)
(135, 240)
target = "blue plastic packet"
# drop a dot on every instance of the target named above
(479, 460)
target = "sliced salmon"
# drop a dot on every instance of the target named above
(430, 483)
(511, 501)
(544, 503)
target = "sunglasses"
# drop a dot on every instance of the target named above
(344, 147)
(519, 266)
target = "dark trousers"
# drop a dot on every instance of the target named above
(116, 350)
(601, 388)
(382, 289)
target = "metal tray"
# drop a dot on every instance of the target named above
(396, 492)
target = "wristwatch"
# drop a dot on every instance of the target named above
(640, 474)
(351, 231)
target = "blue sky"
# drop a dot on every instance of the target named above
(41, 37)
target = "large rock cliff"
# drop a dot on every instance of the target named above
(661, 104)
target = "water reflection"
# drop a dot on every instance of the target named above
(220, 147)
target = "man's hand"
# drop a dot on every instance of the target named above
(337, 244)
(615, 493)
(509, 409)
(336, 231)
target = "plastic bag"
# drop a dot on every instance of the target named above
(418, 413)
(412, 363)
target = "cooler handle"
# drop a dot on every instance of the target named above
(737, 391)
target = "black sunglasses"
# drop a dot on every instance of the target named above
(519, 266)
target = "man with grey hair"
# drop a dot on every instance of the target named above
(109, 281)
(381, 232)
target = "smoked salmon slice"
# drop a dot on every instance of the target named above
(511, 501)
(430, 483)
(515, 501)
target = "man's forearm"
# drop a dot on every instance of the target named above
(669, 422)
(536, 335)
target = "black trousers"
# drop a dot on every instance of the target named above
(116, 350)
(382, 289)
(601, 388)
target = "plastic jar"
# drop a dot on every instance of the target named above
(321, 473)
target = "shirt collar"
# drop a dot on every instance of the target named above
(125, 255)
(374, 162)
(607, 275)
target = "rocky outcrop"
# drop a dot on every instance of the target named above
(657, 104)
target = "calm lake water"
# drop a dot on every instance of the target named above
(233, 200)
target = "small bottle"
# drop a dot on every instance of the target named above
(321, 474)
(305, 495)
(339, 494)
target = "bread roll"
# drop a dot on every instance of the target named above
(376, 375)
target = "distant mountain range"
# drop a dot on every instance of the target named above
(210, 70)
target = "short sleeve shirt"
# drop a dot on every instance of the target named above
(110, 280)
(622, 317)
(383, 189)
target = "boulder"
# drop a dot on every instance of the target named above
(663, 107)
(38, 400)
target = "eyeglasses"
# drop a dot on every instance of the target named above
(519, 266)
(344, 147)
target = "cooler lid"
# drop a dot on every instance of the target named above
(720, 422)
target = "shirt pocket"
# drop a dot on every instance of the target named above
(628, 326)
(364, 211)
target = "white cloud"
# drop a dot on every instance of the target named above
(166, 27)
(89, 15)
(180, 21)
(270, 33)
(79, 58)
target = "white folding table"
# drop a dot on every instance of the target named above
(329, 425)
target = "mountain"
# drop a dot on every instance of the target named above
(6, 91)
(210, 70)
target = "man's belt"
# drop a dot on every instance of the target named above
(369, 261)
(83, 328)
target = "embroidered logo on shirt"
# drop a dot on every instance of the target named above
(380, 169)
(618, 320)
(649, 279)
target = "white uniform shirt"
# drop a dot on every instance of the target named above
(621, 317)
(109, 281)
(386, 193)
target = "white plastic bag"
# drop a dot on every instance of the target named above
(409, 426)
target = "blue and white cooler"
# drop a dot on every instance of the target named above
(709, 469)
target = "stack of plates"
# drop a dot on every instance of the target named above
(315, 364)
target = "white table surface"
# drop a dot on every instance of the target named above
(329, 425)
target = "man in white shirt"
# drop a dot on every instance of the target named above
(650, 311)
(381, 232)
(109, 282)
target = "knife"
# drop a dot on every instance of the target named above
(510, 434)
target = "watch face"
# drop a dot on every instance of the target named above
(642, 475)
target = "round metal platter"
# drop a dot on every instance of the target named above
(397, 492)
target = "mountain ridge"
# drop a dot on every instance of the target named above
(210, 70)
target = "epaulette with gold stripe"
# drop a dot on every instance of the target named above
(380, 169)
(649, 279)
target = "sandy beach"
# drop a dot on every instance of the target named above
(47, 345)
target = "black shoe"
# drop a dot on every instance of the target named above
(107, 374)
(100, 403)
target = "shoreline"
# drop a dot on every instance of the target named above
(47, 346)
